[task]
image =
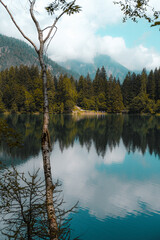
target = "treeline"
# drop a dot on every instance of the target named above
(139, 93)
(21, 90)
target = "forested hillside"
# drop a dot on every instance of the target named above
(14, 52)
(21, 91)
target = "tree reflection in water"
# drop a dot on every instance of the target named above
(23, 207)
(23, 212)
(100, 135)
(136, 132)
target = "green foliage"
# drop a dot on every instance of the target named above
(66, 7)
(66, 94)
(101, 102)
(2, 107)
(134, 9)
(142, 104)
(85, 93)
(22, 91)
(143, 82)
(157, 107)
(117, 99)
(29, 103)
(140, 92)
(38, 98)
(151, 86)
(114, 99)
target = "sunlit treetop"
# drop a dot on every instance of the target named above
(135, 9)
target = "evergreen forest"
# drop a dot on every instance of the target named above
(21, 92)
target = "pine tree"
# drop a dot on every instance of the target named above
(143, 80)
(101, 102)
(2, 107)
(136, 84)
(108, 95)
(38, 99)
(151, 86)
(116, 98)
(103, 74)
(29, 104)
(126, 90)
(66, 94)
(157, 83)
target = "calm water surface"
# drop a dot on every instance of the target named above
(111, 165)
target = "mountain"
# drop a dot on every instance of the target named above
(14, 52)
(111, 67)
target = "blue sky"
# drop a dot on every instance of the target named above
(134, 33)
(98, 29)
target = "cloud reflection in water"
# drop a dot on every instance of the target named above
(104, 194)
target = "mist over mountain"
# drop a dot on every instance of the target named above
(111, 67)
(14, 52)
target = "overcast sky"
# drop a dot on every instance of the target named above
(98, 29)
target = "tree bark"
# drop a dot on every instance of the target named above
(45, 139)
(46, 148)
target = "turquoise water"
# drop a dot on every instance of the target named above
(111, 165)
(118, 194)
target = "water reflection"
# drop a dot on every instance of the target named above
(108, 190)
(110, 164)
(136, 132)
(115, 185)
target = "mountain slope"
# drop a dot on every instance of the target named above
(111, 66)
(14, 52)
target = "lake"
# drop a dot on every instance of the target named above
(110, 164)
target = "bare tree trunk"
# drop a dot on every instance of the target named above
(53, 227)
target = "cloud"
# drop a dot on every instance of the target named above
(103, 194)
(77, 36)
(135, 58)
(116, 155)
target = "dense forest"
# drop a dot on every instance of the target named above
(21, 91)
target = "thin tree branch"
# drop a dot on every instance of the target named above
(19, 29)
(50, 31)
(53, 25)
(51, 40)
(46, 28)
(32, 3)
(56, 20)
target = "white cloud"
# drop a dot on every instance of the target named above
(77, 35)
(102, 193)
(116, 155)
